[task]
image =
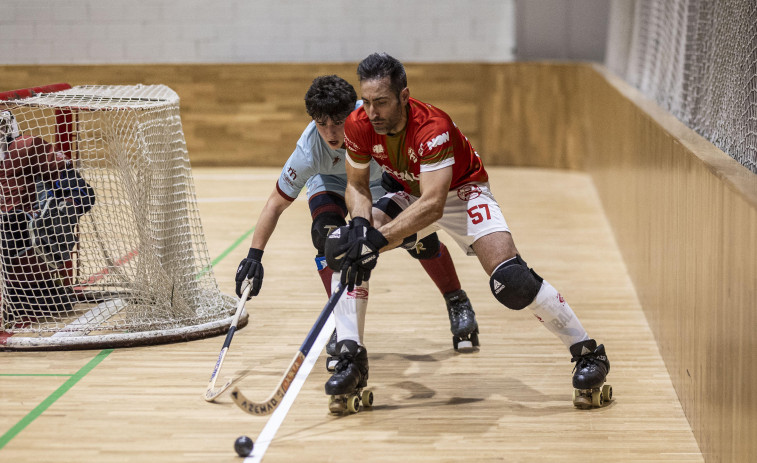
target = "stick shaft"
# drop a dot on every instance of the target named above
(270, 404)
(210, 394)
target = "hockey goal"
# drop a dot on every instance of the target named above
(102, 244)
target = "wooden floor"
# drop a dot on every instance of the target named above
(509, 402)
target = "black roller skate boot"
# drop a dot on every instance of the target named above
(589, 374)
(333, 355)
(345, 387)
(462, 321)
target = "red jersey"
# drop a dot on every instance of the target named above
(430, 141)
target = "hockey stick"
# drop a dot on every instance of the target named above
(267, 406)
(210, 393)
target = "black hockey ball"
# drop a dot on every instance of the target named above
(243, 445)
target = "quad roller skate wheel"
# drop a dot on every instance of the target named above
(596, 398)
(352, 403)
(607, 392)
(592, 398)
(367, 399)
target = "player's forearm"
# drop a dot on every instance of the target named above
(357, 195)
(359, 200)
(268, 219)
(425, 211)
(415, 218)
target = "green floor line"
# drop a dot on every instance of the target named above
(225, 253)
(73, 379)
(39, 409)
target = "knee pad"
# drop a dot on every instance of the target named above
(323, 224)
(514, 284)
(426, 248)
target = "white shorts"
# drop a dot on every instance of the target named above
(469, 213)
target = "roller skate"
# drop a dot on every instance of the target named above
(462, 321)
(345, 387)
(333, 355)
(589, 375)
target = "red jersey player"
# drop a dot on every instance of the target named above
(445, 186)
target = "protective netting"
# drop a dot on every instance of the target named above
(101, 236)
(698, 60)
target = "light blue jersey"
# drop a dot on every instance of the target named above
(315, 165)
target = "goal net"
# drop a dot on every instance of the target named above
(698, 60)
(101, 239)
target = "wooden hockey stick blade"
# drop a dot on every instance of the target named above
(269, 405)
(211, 393)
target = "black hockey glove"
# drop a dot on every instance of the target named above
(71, 185)
(250, 272)
(362, 254)
(391, 184)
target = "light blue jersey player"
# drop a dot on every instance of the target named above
(318, 163)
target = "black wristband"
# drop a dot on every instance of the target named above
(361, 221)
(256, 254)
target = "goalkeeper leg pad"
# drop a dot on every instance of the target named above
(54, 233)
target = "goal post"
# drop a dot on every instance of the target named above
(102, 243)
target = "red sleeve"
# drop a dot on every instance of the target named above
(355, 141)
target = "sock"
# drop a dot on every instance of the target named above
(442, 271)
(324, 272)
(557, 316)
(349, 312)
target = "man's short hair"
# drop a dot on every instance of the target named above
(380, 65)
(330, 96)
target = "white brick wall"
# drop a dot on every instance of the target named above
(199, 31)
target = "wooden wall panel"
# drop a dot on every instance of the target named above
(253, 114)
(685, 217)
(527, 115)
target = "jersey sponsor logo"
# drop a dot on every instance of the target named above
(292, 173)
(288, 181)
(468, 192)
(411, 155)
(438, 140)
(351, 145)
(378, 152)
(335, 161)
(406, 176)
